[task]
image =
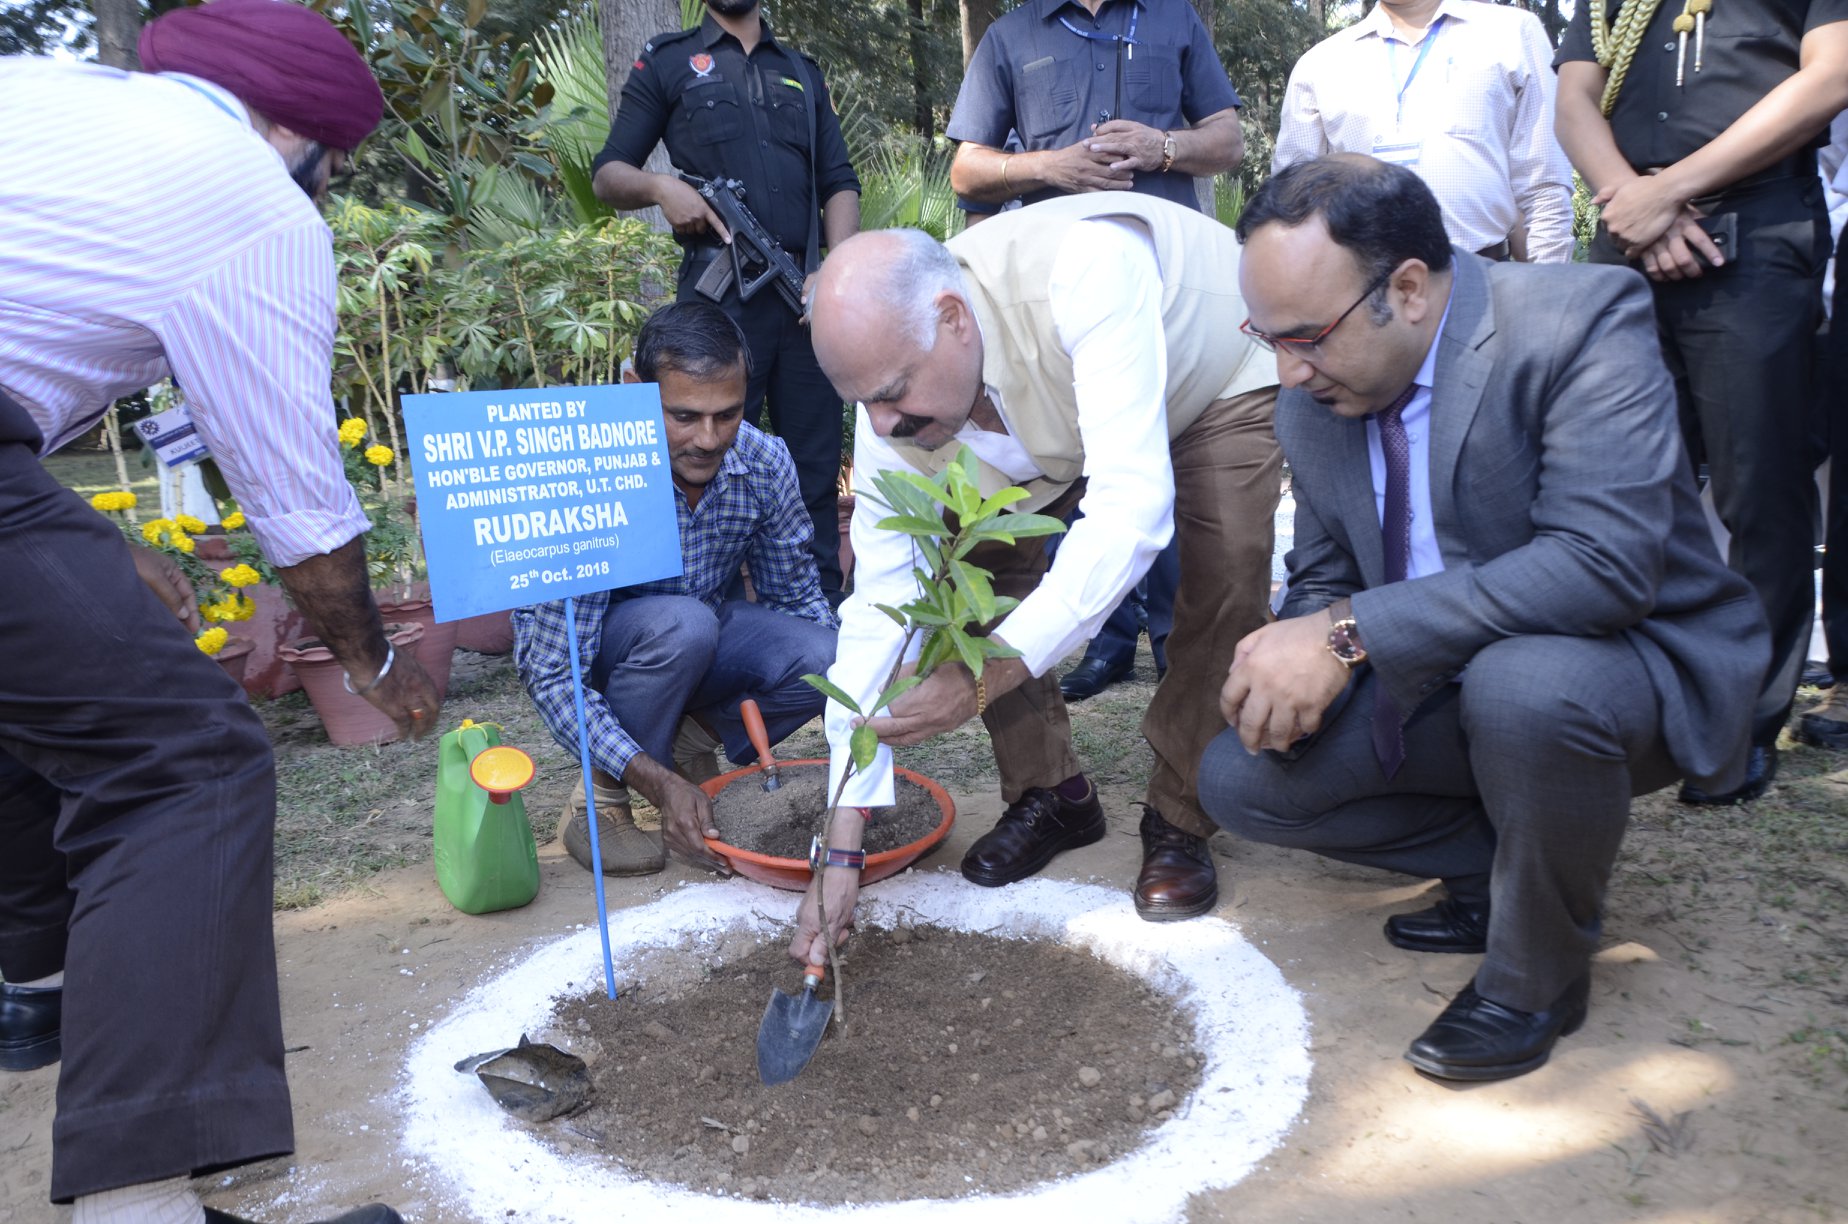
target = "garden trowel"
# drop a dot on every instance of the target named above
(792, 1028)
(760, 740)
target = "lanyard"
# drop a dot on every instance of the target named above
(1392, 63)
(1128, 37)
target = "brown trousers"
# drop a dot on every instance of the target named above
(1227, 474)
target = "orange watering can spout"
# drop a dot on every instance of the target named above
(501, 771)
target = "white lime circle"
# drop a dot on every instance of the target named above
(1249, 1026)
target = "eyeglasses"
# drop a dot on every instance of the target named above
(1302, 347)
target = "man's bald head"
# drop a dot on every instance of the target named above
(895, 275)
(893, 330)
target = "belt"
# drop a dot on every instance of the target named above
(1498, 251)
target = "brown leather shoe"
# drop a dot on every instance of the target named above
(1029, 834)
(1177, 880)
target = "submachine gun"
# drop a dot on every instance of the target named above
(757, 258)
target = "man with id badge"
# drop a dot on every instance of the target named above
(1457, 91)
(1696, 123)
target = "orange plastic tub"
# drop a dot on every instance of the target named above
(794, 874)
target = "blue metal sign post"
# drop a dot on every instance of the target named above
(532, 495)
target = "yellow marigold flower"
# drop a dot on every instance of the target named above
(154, 529)
(352, 431)
(240, 576)
(232, 521)
(212, 640)
(113, 501)
(380, 456)
(242, 607)
(187, 522)
(182, 541)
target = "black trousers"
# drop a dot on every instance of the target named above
(804, 410)
(137, 812)
(1832, 391)
(1740, 343)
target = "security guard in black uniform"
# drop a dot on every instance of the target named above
(732, 102)
(1696, 124)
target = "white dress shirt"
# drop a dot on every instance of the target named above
(146, 229)
(1475, 122)
(1425, 557)
(1105, 294)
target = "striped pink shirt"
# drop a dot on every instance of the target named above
(146, 229)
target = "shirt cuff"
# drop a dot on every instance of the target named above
(291, 538)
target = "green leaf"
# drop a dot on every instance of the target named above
(925, 485)
(1006, 497)
(935, 651)
(829, 688)
(1022, 525)
(898, 618)
(898, 689)
(974, 583)
(865, 746)
(966, 649)
(912, 525)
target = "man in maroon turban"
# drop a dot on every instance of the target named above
(311, 93)
(137, 787)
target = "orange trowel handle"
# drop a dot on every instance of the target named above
(754, 728)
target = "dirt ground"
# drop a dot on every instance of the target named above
(1711, 1083)
(1684, 1098)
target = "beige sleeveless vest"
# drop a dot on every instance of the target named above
(1007, 266)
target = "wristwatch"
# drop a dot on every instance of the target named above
(1344, 643)
(1167, 153)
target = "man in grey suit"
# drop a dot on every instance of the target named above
(1505, 615)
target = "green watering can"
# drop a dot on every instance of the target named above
(485, 856)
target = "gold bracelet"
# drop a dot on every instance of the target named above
(981, 696)
(1005, 185)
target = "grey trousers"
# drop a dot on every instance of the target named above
(1515, 789)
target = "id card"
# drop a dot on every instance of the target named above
(1398, 153)
(173, 436)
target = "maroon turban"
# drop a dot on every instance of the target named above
(286, 62)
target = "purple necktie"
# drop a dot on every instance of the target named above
(1396, 539)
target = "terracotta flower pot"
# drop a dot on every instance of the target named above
(234, 656)
(793, 873)
(273, 625)
(347, 718)
(436, 650)
(491, 633)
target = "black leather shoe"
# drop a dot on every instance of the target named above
(372, 1213)
(1029, 834)
(1448, 926)
(1177, 879)
(1478, 1039)
(30, 1021)
(1760, 769)
(1091, 677)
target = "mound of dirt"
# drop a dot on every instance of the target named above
(970, 1064)
(783, 821)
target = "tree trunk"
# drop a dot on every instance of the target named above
(1318, 16)
(627, 24)
(118, 27)
(977, 16)
(921, 117)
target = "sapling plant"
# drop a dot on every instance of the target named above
(946, 517)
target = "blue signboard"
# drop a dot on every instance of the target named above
(527, 496)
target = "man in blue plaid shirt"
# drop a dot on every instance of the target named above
(659, 651)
